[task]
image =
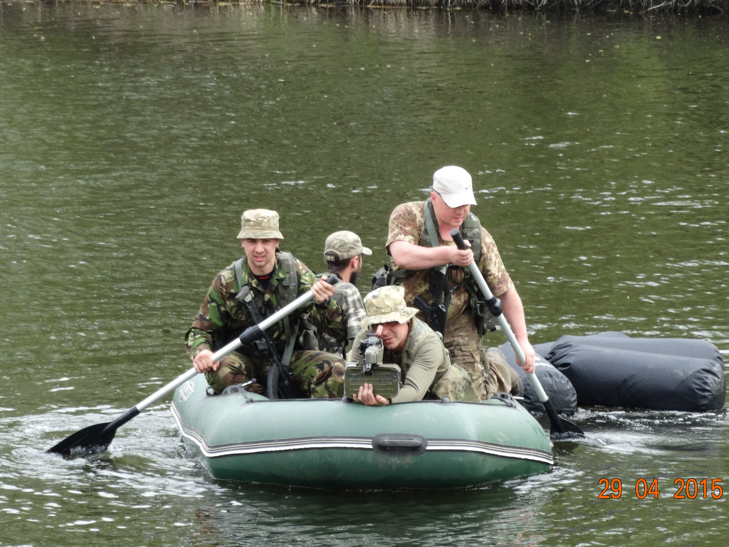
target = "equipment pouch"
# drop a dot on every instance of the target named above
(485, 321)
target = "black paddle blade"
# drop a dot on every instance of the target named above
(561, 429)
(93, 439)
(89, 440)
(569, 431)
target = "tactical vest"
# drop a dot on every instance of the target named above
(471, 231)
(331, 342)
(287, 292)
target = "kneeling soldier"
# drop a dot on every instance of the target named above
(427, 371)
(259, 284)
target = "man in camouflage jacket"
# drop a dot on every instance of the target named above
(343, 253)
(222, 318)
(450, 201)
(424, 362)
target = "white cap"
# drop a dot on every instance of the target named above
(454, 185)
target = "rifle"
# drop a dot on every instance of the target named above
(281, 380)
(437, 313)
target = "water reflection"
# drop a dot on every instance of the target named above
(495, 514)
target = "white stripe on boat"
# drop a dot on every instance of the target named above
(359, 443)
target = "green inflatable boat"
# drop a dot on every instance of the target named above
(335, 444)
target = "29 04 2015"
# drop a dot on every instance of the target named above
(648, 488)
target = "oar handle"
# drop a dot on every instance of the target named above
(249, 335)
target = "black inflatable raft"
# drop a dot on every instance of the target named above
(610, 369)
(556, 385)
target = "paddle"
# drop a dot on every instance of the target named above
(560, 428)
(96, 438)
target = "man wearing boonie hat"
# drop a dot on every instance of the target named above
(269, 279)
(424, 362)
(426, 262)
(343, 256)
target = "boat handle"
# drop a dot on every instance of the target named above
(399, 444)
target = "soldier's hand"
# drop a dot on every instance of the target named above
(322, 290)
(255, 388)
(529, 353)
(367, 397)
(203, 362)
(461, 257)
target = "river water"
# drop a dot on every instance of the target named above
(133, 136)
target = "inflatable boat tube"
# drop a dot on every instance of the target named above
(337, 445)
(610, 369)
(556, 385)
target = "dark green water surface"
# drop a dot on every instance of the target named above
(132, 138)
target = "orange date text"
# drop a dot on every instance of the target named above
(649, 489)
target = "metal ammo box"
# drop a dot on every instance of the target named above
(385, 379)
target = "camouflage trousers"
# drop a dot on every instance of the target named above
(312, 372)
(489, 371)
(456, 384)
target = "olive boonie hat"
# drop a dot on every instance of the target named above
(454, 185)
(259, 224)
(385, 305)
(343, 245)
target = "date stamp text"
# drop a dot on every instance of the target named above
(649, 489)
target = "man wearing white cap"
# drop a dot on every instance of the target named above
(343, 255)
(423, 252)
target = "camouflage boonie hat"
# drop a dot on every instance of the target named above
(385, 305)
(343, 245)
(259, 224)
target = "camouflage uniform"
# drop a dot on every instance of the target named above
(340, 246)
(407, 223)
(350, 300)
(425, 364)
(221, 319)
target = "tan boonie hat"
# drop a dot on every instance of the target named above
(385, 305)
(454, 185)
(343, 245)
(259, 224)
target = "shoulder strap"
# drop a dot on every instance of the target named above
(290, 285)
(429, 237)
(239, 272)
(431, 227)
(287, 294)
(417, 329)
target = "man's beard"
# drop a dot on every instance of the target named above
(355, 276)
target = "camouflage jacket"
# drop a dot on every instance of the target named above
(353, 311)
(221, 318)
(423, 361)
(407, 223)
